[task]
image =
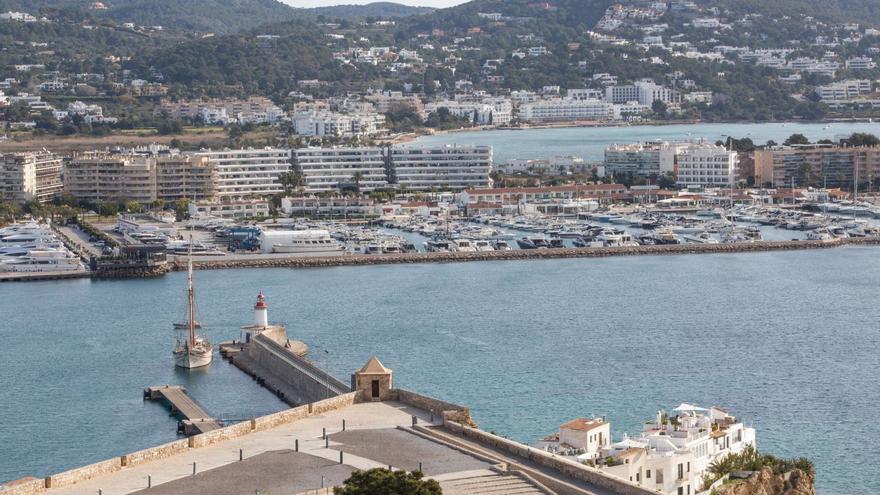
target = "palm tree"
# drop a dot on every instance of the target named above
(356, 178)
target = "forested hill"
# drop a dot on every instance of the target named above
(217, 16)
(861, 11)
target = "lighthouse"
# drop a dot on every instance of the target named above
(261, 311)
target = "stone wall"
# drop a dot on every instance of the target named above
(280, 418)
(570, 468)
(68, 478)
(441, 409)
(24, 487)
(333, 403)
(221, 435)
(602, 252)
(155, 453)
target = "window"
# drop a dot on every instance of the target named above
(648, 474)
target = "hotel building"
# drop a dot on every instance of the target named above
(326, 169)
(706, 165)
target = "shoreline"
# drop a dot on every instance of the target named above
(514, 255)
(410, 137)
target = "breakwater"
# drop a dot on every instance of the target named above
(526, 254)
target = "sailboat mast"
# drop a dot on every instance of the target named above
(191, 298)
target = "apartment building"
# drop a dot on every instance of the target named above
(556, 110)
(447, 167)
(325, 123)
(184, 176)
(105, 176)
(190, 109)
(833, 166)
(642, 159)
(844, 90)
(645, 91)
(30, 176)
(497, 111)
(246, 172)
(706, 164)
(326, 169)
(415, 168)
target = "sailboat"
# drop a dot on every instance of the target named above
(192, 351)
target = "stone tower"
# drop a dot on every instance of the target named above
(374, 381)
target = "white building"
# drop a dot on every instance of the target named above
(706, 164)
(253, 208)
(326, 169)
(672, 454)
(448, 167)
(860, 63)
(845, 90)
(325, 123)
(245, 172)
(642, 159)
(561, 109)
(489, 111)
(589, 435)
(30, 176)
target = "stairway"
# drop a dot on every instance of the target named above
(486, 482)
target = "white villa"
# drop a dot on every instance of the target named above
(673, 453)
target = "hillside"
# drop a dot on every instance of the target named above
(863, 11)
(217, 16)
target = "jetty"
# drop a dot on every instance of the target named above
(194, 419)
(257, 261)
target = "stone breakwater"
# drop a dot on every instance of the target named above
(531, 254)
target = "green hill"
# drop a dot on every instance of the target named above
(217, 16)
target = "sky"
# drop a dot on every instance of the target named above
(418, 3)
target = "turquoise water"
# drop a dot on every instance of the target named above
(788, 341)
(590, 142)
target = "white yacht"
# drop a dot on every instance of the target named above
(306, 243)
(462, 246)
(42, 260)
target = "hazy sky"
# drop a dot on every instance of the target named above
(420, 3)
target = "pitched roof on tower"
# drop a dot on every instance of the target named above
(374, 366)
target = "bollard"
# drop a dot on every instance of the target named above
(326, 443)
(343, 425)
(296, 445)
(194, 468)
(240, 454)
(415, 420)
(340, 457)
(149, 481)
(323, 432)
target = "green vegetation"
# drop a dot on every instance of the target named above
(751, 460)
(384, 482)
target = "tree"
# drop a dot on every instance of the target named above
(659, 108)
(356, 178)
(384, 482)
(862, 139)
(796, 139)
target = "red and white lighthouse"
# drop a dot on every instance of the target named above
(261, 311)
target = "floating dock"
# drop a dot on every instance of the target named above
(194, 419)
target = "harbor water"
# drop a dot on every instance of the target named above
(787, 341)
(589, 142)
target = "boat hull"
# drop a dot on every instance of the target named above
(193, 359)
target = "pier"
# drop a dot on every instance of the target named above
(194, 419)
(257, 261)
(49, 275)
